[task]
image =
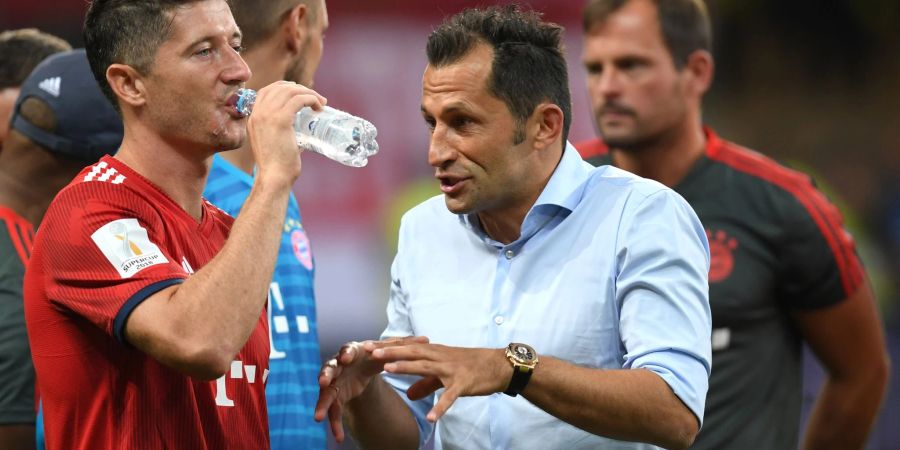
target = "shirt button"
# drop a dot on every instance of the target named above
(510, 254)
(498, 320)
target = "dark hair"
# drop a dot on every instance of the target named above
(259, 19)
(529, 66)
(126, 32)
(684, 23)
(22, 50)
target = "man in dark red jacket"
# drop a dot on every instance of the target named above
(783, 268)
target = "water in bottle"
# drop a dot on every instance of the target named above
(340, 136)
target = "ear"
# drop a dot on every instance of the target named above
(699, 69)
(546, 122)
(295, 27)
(127, 84)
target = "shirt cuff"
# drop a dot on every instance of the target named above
(687, 375)
(419, 408)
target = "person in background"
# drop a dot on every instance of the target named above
(557, 315)
(20, 51)
(282, 40)
(784, 270)
(144, 303)
(60, 122)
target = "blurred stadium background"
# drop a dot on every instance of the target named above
(813, 83)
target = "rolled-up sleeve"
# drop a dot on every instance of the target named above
(662, 292)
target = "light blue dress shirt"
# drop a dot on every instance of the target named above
(610, 272)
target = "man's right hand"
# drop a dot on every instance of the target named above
(348, 374)
(271, 132)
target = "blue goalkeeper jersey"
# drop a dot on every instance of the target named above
(292, 385)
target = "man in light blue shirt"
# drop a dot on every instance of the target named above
(580, 293)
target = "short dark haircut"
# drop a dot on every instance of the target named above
(529, 65)
(22, 50)
(259, 19)
(684, 23)
(126, 32)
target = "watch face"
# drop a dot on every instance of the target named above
(522, 352)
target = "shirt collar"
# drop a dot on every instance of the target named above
(563, 190)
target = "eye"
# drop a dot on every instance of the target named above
(594, 68)
(238, 48)
(460, 122)
(203, 52)
(630, 63)
(429, 122)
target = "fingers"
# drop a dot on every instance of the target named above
(328, 404)
(336, 421)
(330, 371)
(299, 101)
(328, 396)
(369, 346)
(352, 364)
(424, 387)
(409, 351)
(406, 340)
(422, 368)
(349, 352)
(319, 97)
(280, 101)
(444, 403)
(278, 93)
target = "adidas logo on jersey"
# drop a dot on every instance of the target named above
(51, 86)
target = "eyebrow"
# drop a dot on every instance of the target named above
(452, 108)
(236, 34)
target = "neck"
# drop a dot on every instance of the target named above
(25, 198)
(268, 64)
(178, 170)
(504, 225)
(667, 159)
(20, 193)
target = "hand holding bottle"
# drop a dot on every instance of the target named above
(270, 130)
(335, 134)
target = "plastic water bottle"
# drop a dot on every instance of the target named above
(333, 133)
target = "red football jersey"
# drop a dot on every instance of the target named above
(110, 240)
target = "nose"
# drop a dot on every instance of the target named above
(611, 83)
(440, 153)
(236, 70)
(606, 84)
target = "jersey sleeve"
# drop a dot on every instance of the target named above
(105, 252)
(821, 266)
(662, 289)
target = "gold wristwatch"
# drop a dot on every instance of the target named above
(523, 359)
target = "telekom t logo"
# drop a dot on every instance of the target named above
(279, 322)
(238, 371)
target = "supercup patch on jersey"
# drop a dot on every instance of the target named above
(126, 245)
